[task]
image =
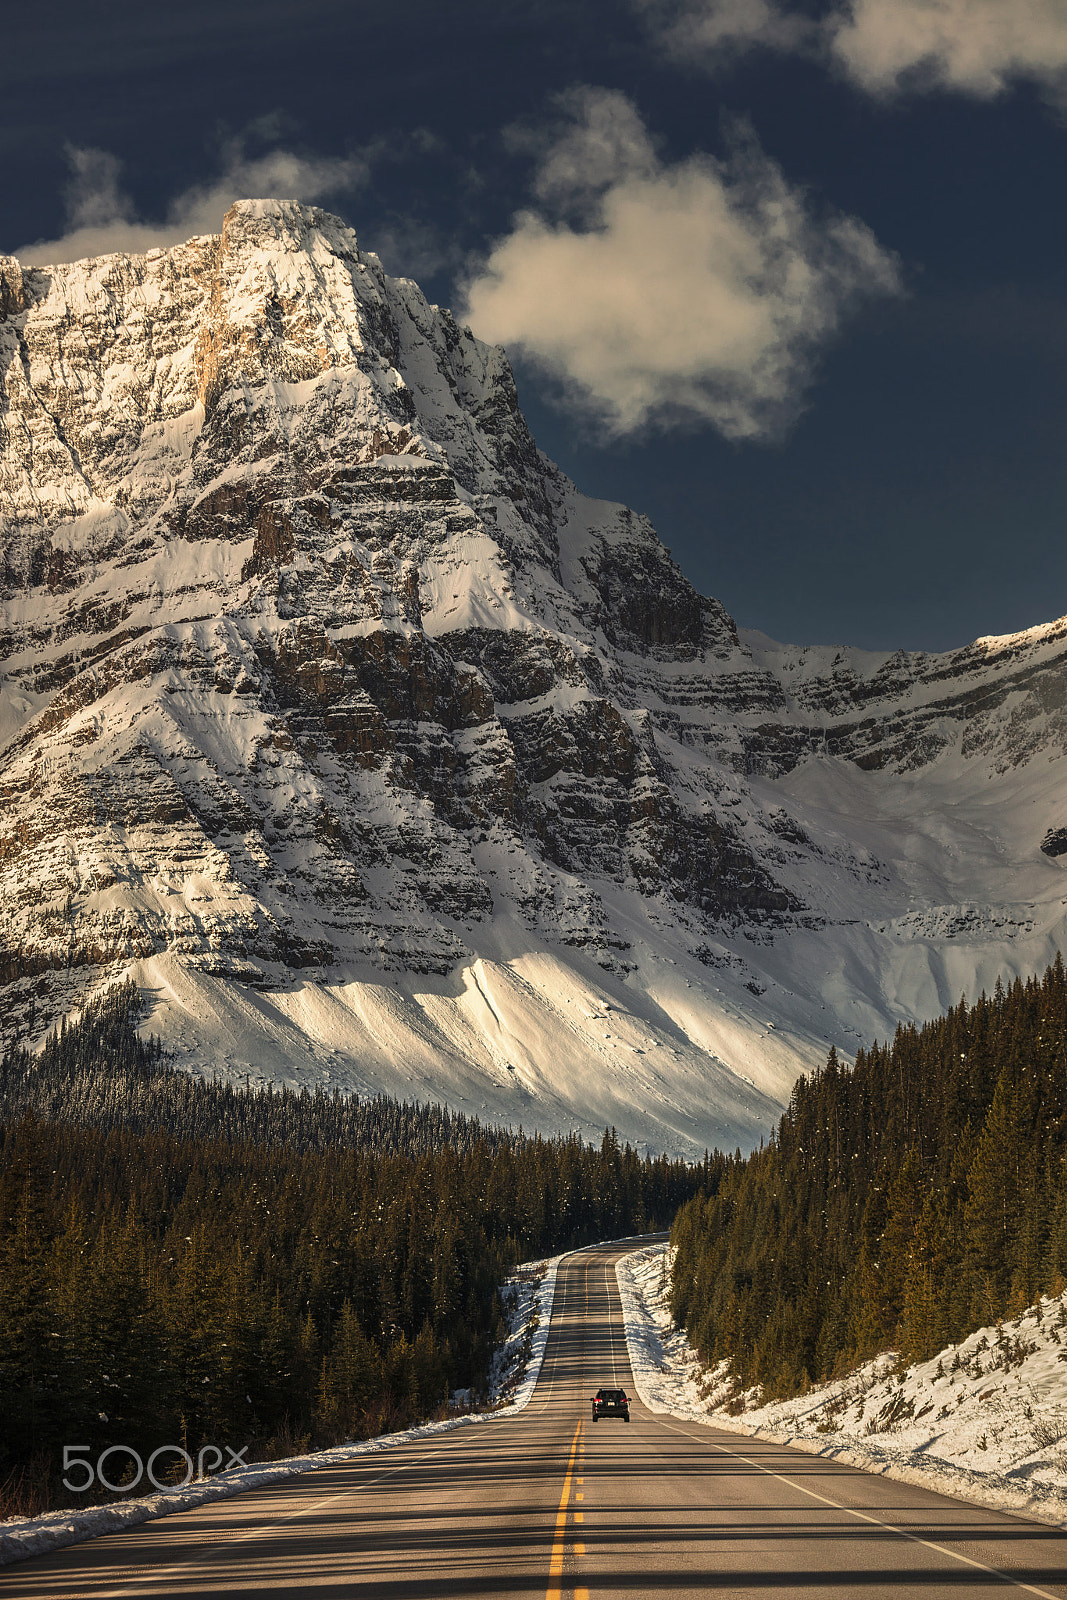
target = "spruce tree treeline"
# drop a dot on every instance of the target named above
(901, 1204)
(162, 1286)
(99, 1073)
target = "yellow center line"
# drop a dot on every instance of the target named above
(555, 1566)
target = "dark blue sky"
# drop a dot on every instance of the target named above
(915, 493)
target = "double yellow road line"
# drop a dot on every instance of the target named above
(555, 1566)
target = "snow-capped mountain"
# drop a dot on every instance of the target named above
(382, 757)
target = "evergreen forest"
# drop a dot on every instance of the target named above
(183, 1262)
(901, 1203)
(102, 1074)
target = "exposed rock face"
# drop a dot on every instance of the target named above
(314, 665)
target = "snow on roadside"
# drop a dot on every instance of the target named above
(986, 1420)
(528, 1294)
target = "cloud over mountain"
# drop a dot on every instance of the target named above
(660, 292)
(102, 217)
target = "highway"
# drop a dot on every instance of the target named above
(548, 1504)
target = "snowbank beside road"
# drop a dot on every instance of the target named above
(986, 1420)
(530, 1292)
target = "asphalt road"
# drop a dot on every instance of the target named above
(549, 1504)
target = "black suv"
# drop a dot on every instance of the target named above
(611, 1403)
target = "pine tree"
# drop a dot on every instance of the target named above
(991, 1217)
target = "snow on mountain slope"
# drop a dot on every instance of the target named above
(382, 757)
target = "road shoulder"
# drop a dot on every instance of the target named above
(670, 1381)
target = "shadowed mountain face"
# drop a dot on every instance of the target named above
(381, 756)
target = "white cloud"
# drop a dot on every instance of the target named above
(976, 47)
(602, 142)
(700, 290)
(102, 218)
(709, 30)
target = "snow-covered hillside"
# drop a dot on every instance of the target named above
(985, 1419)
(382, 757)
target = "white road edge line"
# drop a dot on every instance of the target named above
(157, 1576)
(863, 1516)
(279, 1522)
(850, 1511)
(611, 1327)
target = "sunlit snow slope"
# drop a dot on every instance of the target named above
(382, 757)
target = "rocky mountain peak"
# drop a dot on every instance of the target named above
(381, 756)
(12, 293)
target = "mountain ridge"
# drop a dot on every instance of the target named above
(381, 757)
